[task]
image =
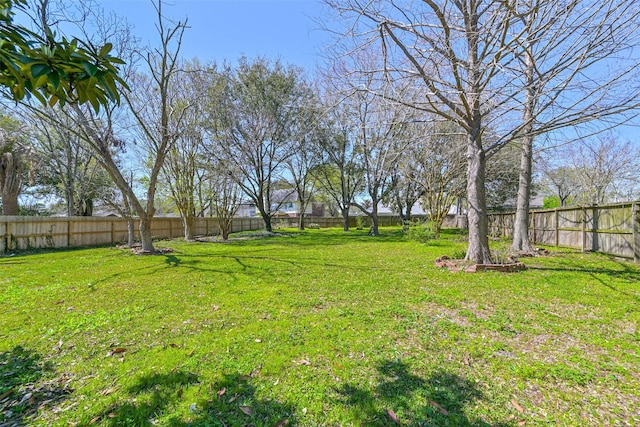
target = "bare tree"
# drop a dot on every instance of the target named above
(10, 181)
(226, 197)
(604, 167)
(455, 54)
(439, 166)
(66, 165)
(405, 190)
(576, 66)
(184, 165)
(520, 69)
(14, 148)
(561, 182)
(300, 166)
(156, 118)
(339, 173)
(383, 134)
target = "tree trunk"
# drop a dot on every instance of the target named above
(478, 250)
(521, 224)
(224, 230)
(130, 221)
(267, 222)
(145, 233)
(301, 221)
(436, 227)
(374, 229)
(130, 231)
(345, 218)
(11, 183)
(70, 201)
(188, 221)
(10, 203)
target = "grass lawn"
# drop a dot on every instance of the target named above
(316, 328)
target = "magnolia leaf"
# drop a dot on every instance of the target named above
(90, 69)
(104, 51)
(39, 70)
(54, 79)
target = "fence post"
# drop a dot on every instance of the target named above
(635, 224)
(584, 229)
(533, 224)
(556, 219)
(595, 226)
(7, 246)
(113, 233)
(69, 232)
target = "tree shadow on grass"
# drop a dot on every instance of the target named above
(22, 391)
(235, 403)
(147, 398)
(155, 400)
(393, 400)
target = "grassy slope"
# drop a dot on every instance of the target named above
(318, 328)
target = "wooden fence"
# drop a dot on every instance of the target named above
(610, 229)
(20, 233)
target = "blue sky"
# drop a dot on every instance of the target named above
(226, 29)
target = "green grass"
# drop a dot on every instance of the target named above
(316, 328)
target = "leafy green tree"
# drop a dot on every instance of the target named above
(54, 71)
(254, 114)
(340, 175)
(67, 167)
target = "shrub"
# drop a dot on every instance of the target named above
(419, 231)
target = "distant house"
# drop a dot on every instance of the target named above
(246, 209)
(509, 205)
(287, 204)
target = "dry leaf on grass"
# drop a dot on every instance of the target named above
(107, 391)
(247, 410)
(281, 423)
(439, 407)
(221, 392)
(6, 393)
(392, 415)
(515, 405)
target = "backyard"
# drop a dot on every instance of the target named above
(316, 328)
